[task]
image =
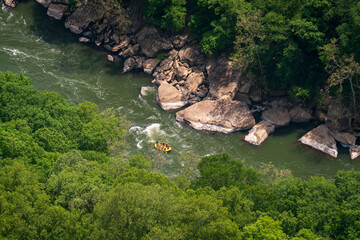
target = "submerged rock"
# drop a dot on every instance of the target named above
(259, 133)
(56, 11)
(169, 98)
(84, 40)
(321, 139)
(110, 58)
(354, 151)
(222, 115)
(279, 117)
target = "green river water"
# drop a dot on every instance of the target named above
(41, 48)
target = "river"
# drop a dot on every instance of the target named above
(41, 48)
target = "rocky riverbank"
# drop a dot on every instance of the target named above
(216, 95)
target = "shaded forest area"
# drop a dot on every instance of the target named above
(65, 174)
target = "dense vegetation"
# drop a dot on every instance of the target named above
(297, 45)
(65, 174)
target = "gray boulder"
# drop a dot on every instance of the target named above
(223, 115)
(169, 98)
(321, 139)
(82, 17)
(56, 11)
(151, 43)
(299, 115)
(345, 139)
(279, 116)
(259, 133)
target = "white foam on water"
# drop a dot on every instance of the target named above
(153, 132)
(10, 16)
(151, 118)
(15, 52)
(138, 145)
(135, 129)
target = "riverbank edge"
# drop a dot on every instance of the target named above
(186, 76)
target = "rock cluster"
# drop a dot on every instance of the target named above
(221, 99)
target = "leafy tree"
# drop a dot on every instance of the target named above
(221, 171)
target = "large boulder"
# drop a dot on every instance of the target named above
(321, 139)
(223, 115)
(299, 115)
(192, 55)
(259, 133)
(194, 80)
(82, 17)
(279, 116)
(150, 64)
(56, 11)
(223, 78)
(169, 98)
(151, 43)
(345, 139)
(354, 151)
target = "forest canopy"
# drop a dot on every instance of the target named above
(286, 44)
(65, 174)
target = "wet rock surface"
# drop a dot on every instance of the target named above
(321, 139)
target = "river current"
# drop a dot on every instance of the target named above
(41, 48)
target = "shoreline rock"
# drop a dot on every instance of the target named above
(169, 98)
(354, 151)
(321, 139)
(259, 133)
